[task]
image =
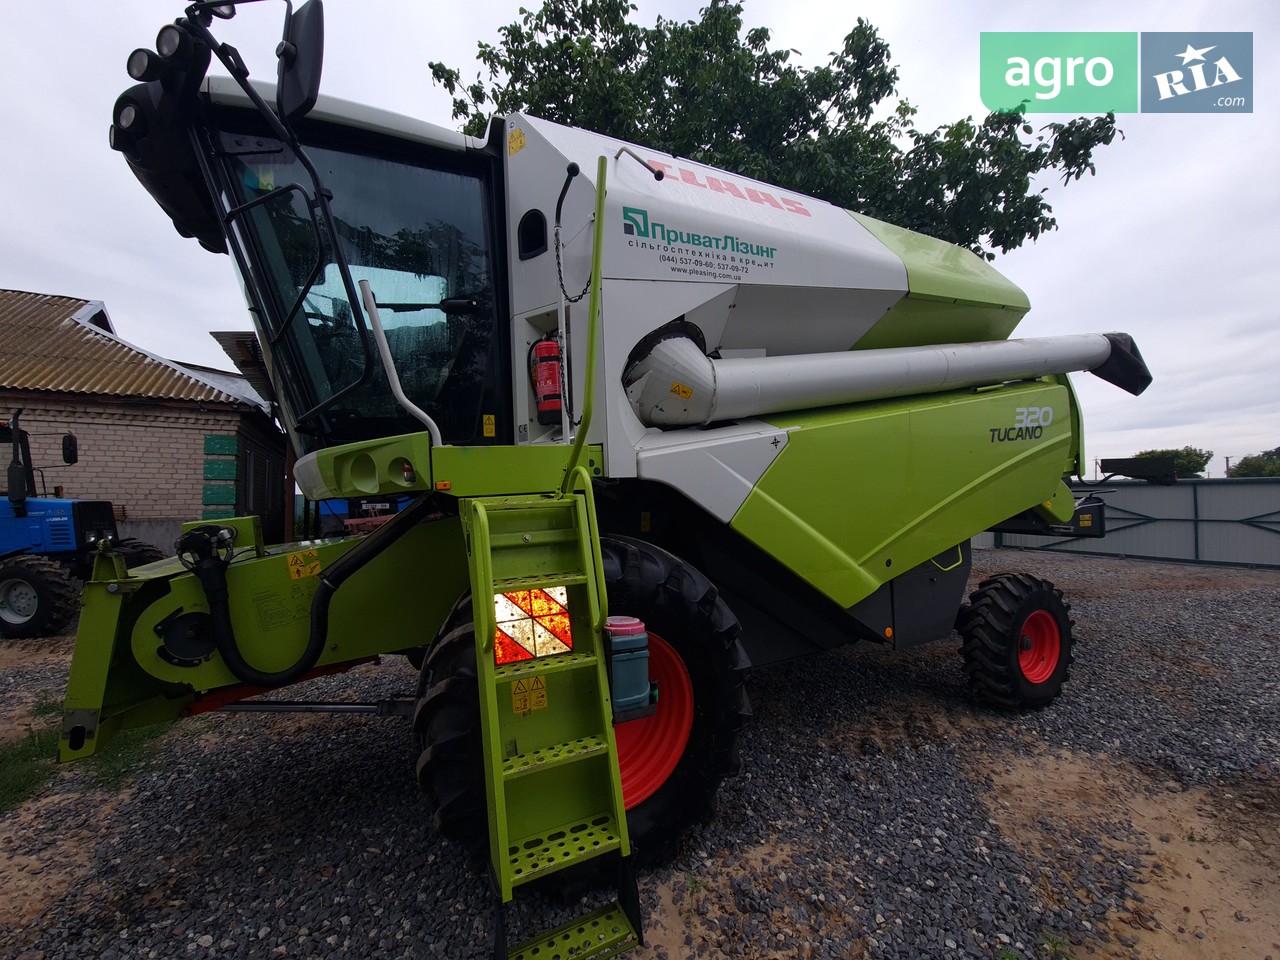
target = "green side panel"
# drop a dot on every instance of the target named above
(219, 493)
(220, 469)
(863, 493)
(395, 603)
(218, 445)
(915, 322)
(379, 467)
(954, 296)
(218, 513)
(507, 471)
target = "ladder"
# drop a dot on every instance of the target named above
(551, 768)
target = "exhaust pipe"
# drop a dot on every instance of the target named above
(676, 385)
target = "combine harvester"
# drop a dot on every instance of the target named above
(660, 423)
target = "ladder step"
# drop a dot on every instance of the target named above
(600, 934)
(495, 504)
(533, 538)
(535, 761)
(550, 850)
(541, 666)
(569, 578)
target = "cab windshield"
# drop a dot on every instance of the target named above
(419, 235)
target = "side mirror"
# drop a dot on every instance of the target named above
(17, 483)
(70, 449)
(301, 56)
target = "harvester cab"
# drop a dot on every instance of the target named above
(615, 383)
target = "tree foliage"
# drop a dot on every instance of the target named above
(1264, 464)
(1188, 461)
(707, 90)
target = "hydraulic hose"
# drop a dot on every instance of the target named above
(206, 552)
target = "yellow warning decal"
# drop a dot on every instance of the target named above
(1086, 520)
(515, 141)
(681, 391)
(490, 425)
(304, 564)
(520, 697)
(538, 694)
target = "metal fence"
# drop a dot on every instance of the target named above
(1196, 521)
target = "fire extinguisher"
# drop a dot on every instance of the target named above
(544, 371)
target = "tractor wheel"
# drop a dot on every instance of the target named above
(671, 763)
(1017, 641)
(36, 597)
(136, 553)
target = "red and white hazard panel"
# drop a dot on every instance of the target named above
(531, 623)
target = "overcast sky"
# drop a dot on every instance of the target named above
(1176, 240)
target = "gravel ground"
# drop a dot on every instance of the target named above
(878, 814)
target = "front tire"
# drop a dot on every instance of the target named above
(671, 763)
(1017, 641)
(37, 598)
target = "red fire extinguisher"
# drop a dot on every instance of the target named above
(544, 370)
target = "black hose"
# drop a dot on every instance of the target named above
(199, 551)
(570, 172)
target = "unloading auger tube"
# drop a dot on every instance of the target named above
(728, 389)
(207, 552)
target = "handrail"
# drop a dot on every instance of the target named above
(599, 596)
(389, 366)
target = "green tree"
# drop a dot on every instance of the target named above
(706, 90)
(1188, 461)
(1265, 464)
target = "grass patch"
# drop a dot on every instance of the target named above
(46, 707)
(26, 766)
(125, 755)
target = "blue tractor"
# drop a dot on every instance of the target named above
(47, 543)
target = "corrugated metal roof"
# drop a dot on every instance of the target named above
(246, 353)
(59, 344)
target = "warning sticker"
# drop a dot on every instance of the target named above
(304, 564)
(520, 697)
(515, 141)
(538, 694)
(681, 391)
(490, 425)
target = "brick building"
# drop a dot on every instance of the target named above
(165, 442)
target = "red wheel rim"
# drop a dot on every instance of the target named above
(1039, 646)
(650, 748)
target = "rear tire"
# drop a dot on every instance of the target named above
(1017, 641)
(700, 636)
(37, 598)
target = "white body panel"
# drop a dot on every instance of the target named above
(809, 277)
(716, 469)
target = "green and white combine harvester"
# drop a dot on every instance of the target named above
(655, 433)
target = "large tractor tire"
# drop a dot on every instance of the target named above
(1017, 641)
(136, 552)
(671, 763)
(37, 598)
